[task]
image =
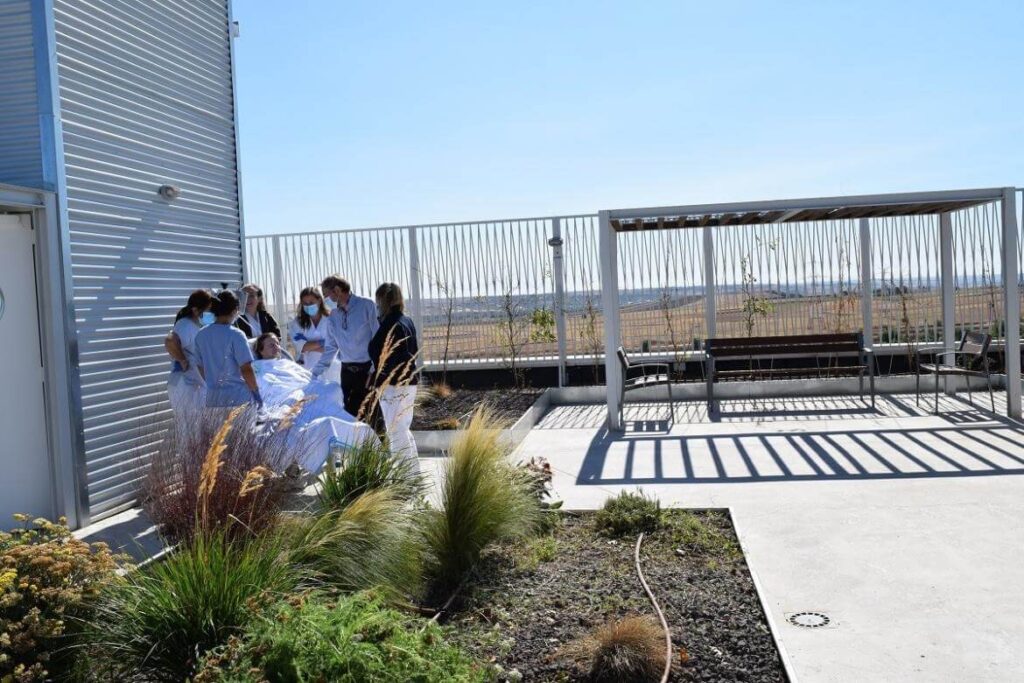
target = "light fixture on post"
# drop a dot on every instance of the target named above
(169, 192)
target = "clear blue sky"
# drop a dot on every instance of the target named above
(357, 113)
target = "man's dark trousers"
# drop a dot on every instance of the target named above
(354, 380)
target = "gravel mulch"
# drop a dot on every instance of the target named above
(527, 601)
(508, 403)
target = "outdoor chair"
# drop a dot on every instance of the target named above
(963, 362)
(651, 375)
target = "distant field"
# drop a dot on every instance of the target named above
(646, 327)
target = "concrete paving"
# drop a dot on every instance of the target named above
(903, 527)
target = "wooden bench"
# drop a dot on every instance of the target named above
(758, 359)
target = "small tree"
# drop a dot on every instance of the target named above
(448, 312)
(666, 303)
(589, 332)
(754, 304)
(513, 334)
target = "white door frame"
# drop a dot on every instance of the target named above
(63, 412)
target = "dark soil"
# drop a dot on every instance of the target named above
(525, 605)
(436, 412)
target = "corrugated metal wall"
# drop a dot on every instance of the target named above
(146, 99)
(20, 156)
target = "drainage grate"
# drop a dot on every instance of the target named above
(809, 619)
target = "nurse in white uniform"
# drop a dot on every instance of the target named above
(185, 387)
(308, 330)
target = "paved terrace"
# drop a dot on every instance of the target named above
(904, 527)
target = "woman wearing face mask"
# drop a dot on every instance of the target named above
(255, 320)
(224, 358)
(185, 387)
(309, 328)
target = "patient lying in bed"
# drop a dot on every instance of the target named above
(320, 423)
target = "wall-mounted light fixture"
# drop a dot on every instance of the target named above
(169, 191)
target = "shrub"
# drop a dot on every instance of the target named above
(631, 650)
(356, 639)
(484, 498)
(158, 621)
(446, 423)
(374, 540)
(538, 476)
(627, 514)
(369, 466)
(48, 584)
(240, 467)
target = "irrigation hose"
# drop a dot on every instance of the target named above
(661, 615)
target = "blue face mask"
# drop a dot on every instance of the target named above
(329, 302)
(311, 309)
(207, 318)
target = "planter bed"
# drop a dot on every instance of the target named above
(518, 409)
(522, 610)
(508, 404)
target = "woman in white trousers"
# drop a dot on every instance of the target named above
(393, 351)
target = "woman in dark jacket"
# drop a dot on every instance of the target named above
(393, 351)
(255, 320)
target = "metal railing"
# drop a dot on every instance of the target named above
(529, 289)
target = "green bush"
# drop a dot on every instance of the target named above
(159, 621)
(373, 541)
(356, 639)
(367, 467)
(48, 584)
(628, 514)
(484, 499)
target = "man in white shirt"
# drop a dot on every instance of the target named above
(351, 326)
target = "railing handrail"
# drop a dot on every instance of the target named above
(452, 224)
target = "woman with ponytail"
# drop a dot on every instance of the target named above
(225, 358)
(184, 386)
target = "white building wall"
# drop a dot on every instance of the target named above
(20, 155)
(146, 99)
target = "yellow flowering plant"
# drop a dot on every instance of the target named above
(48, 579)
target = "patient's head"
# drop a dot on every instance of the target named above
(268, 347)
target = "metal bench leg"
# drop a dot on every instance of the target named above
(936, 393)
(970, 396)
(671, 408)
(991, 396)
(918, 386)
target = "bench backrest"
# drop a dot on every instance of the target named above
(975, 343)
(845, 344)
(623, 358)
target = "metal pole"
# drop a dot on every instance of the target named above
(558, 272)
(415, 302)
(608, 250)
(280, 305)
(866, 284)
(1011, 302)
(709, 282)
(948, 292)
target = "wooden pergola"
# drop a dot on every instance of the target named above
(706, 217)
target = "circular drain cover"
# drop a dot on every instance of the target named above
(809, 619)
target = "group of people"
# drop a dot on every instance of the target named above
(370, 347)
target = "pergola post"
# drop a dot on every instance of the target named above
(948, 290)
(710, 304)
(416, 291)
(1011, 303)
(867, 285)
(281, 308)
(609, 254)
